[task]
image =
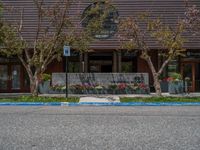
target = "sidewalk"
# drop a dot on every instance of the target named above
(11, 95)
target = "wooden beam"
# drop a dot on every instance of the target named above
(86, 62)
(119, 60)
(114, 61)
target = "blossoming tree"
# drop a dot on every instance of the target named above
(134, 33)
(54, 28)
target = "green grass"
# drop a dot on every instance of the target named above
(161, 99)
(39, 99)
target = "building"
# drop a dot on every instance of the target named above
(105, 56)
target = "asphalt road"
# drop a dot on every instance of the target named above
(100, 128)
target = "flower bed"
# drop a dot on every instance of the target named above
(120, 88)
(102, 83)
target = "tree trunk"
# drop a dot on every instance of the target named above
(34, 86)
(34, 80)
(157, 84)
(155, 76)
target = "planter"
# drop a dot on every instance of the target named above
(164, 86)
(119, 91)
(99, 91)
(44, 87)
(175, 87)
(141, 91)
(111, 91)
(57, 91)
(76, 91)
(146, 91)
(129, 91)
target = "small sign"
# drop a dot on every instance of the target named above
(66, 51)
(193, 54)
(14, 72)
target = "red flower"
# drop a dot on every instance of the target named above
(142, 86)
(169, 79)
(122, 86)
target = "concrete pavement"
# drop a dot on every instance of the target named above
(100, 128)
(103, 99)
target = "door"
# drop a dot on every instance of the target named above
(15, 75)
(10, 78)
(106, 68)
(197, 77)
(4, 78)
(188, 70)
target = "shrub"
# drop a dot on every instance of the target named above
(45, 77)
(176, 76)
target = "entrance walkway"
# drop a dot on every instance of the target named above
(10, 95)
(100, 99)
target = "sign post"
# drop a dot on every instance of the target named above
(66, 53)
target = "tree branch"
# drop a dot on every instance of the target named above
(44, 66)
(39, 8)
(26, 65)
(163, 66)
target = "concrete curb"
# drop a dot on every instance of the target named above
(99, 104)
(133, 104)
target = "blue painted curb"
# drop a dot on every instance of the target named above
(100, 104)
(134, 104)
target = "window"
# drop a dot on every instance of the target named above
(74, 62)
(110, 22)
(129, 62)
(172, 67)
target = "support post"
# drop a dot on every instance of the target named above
(66, 77)
(66, 53)
(86, 62)
(114, 61)
(81, 63)
(119, 61)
